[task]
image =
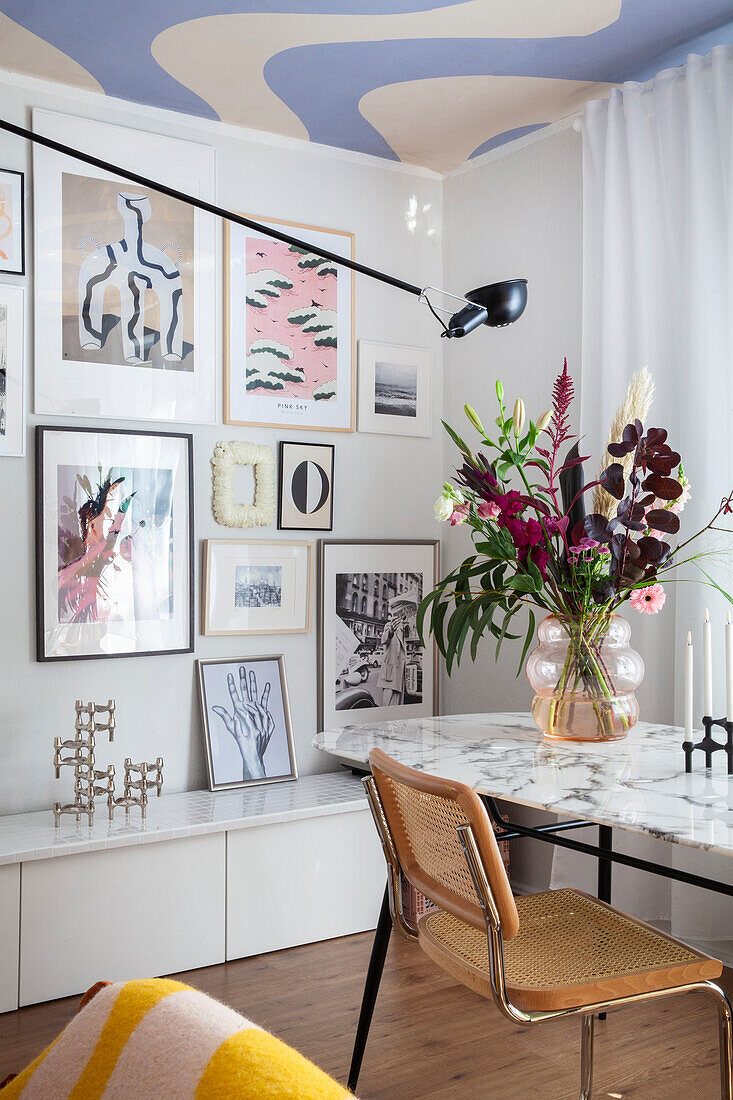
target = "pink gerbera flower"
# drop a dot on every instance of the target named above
(648, 600)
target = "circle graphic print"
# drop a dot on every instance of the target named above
(307, 487)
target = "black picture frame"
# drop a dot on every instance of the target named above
(10, 270)
(283, 444)
(41, 654)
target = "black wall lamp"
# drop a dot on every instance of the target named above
(495, 305)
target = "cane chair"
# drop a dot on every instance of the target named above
(539, 957)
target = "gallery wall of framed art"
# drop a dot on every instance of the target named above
(384, 486)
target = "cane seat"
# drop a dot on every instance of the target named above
(570, 950)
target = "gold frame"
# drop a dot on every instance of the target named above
(227, 347)
(206, 559)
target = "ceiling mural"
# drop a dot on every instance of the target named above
(429, 82)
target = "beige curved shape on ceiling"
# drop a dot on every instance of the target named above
(439, 122)
(21, 51)
(222, 57)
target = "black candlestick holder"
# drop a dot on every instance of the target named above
(709, 745)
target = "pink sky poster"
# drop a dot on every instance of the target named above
(291, 307)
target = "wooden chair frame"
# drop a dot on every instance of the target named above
(495, 943)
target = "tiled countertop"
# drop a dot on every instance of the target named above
(24, 837)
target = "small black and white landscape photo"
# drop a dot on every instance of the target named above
(258, 586)
(395, 389)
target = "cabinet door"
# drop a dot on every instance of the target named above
(9, 935)
(301, 881)
(133, 912)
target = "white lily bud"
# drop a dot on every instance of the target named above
(474, 418)
(518, 416)
(544, 420)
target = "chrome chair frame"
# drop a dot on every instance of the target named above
(495, 944)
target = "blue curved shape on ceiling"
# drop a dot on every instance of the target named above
(329, 106)
(503, 138)
(112, 41)
(91, 33)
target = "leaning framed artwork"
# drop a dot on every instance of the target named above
(247, 724)
(126, 278)
(12, 370)
(114, 543)
(257, 587)
(305, 496)
(395, 389)
(370, 657)
(12, 222)
(289, 329)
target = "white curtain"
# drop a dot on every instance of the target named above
(658, 291)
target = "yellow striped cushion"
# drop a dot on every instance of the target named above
(159, 1038)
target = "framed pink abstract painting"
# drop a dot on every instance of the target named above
(114, 532)
(289, 330)
(12, 223)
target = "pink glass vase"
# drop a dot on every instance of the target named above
(584, 674)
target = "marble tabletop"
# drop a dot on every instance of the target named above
(637, 784)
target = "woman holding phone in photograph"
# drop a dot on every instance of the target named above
(392, 674)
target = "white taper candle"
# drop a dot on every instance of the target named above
(729, 668)
(689, 689)
(707, 665)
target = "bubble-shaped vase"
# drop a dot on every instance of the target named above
(585, 675)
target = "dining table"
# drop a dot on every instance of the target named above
(637, 784)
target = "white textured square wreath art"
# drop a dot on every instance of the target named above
(226, 510)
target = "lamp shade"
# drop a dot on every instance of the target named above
(504, 302)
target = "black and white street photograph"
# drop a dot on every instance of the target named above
(379, 653)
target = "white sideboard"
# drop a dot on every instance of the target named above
(208, 877)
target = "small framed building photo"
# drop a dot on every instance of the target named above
(247, 724)
(305, 497)
(258, 587)
(370, 656)
(395, 389)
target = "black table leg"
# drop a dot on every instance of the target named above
(605, 841)
(371, 988)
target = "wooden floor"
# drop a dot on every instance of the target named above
(431, 1038)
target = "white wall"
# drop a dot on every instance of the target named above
(518, 213)
(384, 485)
(515, 215)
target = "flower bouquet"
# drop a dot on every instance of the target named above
(537, 547)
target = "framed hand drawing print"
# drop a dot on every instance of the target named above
(370, 657)
(247, 724)
(12, 222)
(12, 369)
(289, 330)
(257, 587)
(114, 543)
(395, 389)
(126, 278)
